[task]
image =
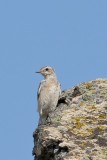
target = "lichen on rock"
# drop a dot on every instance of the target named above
(77, 129)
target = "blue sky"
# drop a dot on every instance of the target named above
(70, 36)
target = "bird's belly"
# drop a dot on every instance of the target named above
(49, 99)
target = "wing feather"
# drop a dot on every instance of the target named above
(38, 95)
(39, 88)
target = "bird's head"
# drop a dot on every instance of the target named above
(47, 71)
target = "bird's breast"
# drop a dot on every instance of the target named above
(52, 89)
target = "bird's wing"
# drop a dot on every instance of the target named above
(39, 88)
(38, 95)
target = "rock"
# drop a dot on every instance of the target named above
(77, 129)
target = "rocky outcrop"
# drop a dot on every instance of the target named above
(77, 129)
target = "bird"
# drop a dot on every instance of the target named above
(48, 93)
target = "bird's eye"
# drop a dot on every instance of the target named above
(47, 69)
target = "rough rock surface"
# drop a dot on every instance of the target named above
(77, 129)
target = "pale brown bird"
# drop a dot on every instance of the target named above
(48, 92)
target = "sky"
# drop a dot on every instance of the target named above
(69, 35)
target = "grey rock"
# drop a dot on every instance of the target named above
(77, 129)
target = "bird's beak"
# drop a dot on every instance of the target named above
(37, 72)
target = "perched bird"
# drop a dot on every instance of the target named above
(48, 93)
